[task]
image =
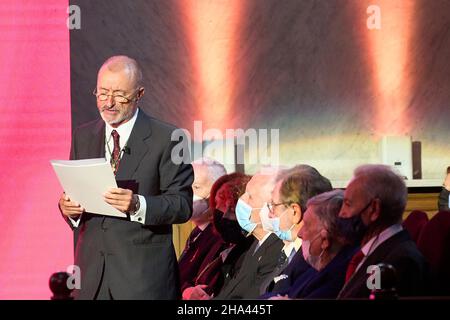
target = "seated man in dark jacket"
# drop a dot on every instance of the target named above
(220, 263)
(287, 207)
(262, 257)
(326, 248)
(374, 201)
(443, 202)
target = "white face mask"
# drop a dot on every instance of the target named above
(196, 198)
(312, 260)
(273, 224)
(268, 224)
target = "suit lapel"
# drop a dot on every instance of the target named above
(137, 147)
(375, 257)
(96, 144)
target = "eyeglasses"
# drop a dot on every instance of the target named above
(272, 205)
(117, 97)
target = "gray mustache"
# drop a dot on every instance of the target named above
(108, 108)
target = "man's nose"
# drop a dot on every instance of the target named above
(110, 101)
(272, 214)
(342, 213)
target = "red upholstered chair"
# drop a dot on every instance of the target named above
(414, 223)
(434, 243)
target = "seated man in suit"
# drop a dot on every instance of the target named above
(325, 247)
(374, 201)
(220, 265)
(283, 215)
(444, 195)
(132, 257)
(202, 237)
(262, 256)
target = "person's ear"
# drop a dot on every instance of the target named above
(375, 209)
(141, 93)
(325, 240)
(297, 213)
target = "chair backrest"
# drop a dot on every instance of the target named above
(414, 223)
(434, 243)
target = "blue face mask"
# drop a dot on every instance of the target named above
(243, 212)
(273, 224)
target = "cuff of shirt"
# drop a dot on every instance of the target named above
(139, 216)
(75, 223)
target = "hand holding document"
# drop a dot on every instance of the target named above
(85, 181)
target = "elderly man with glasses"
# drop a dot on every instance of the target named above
(284, 217)
(133, 257)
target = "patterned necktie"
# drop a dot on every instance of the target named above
(282, 259)
(115, 157)
(353, 264)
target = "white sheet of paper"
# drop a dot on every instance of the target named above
(85, 181)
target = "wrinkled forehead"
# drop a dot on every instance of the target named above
(116, 80)
(356, 188)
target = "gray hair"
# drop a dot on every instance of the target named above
(380, 181)
(327, 206)
(131, 67)
(214, 167)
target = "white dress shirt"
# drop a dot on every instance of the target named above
(124, 131)
(291, 248)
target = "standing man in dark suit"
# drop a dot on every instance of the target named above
(375, 200)
(133, 257)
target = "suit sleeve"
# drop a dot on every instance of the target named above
(174, 204)
(443, 200)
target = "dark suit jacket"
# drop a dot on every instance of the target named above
(443, 200)
(256, 266)
(139, 261)
(197, 253)
(326, 283)
(401, 252)
(293, 271)
(217, 273)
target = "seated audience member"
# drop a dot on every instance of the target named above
(262, 257)
(327, 247)
(283, 215)
(202, 237)
(221, 262)
(443, 203)
(374, 202)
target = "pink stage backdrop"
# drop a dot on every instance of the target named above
(34, 128)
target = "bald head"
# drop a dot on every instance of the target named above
(125, 65)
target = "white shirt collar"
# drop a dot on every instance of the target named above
(203, 225)
(264, 239)
(124, 131)
(374, 242)
(292, 246)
